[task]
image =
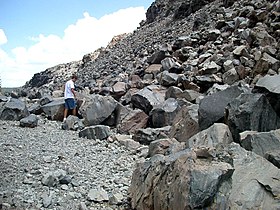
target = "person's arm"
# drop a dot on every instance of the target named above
(73, 91)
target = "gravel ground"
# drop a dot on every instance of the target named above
(49, 168)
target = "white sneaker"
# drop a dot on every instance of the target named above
(64, 120)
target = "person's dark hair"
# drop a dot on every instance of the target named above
(74, 76)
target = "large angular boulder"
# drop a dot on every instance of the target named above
(96, 109)
(251, 112)
(185, 123)
(149, 97)
(217, 134)
(171, 65)
(167, 79)
(14, 109)
(157, 57)
(270, 83)
(175, 92)
(212, 107)
(129, 120)
(45, 100)
(270, 86)
(30, 121)
(265, 63)
(261, 143)
(177, 181)
(147, 135)
(54, 110)
(95, 132)
(254, 183)
(164, 114)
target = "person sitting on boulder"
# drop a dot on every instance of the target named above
(69, 96)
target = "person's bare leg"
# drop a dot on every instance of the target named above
(74, 112)
(65, 113)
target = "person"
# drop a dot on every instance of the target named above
(70, 96)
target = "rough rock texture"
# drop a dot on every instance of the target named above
(251, 112)
(97, 109)
(185, 124)
(261, 143)
(258, 189)
(218, 101)
(14, 109)
(31, 121)
(216, 134)
(95, 132)
(49, 168)
(54, 110)
(177, 181)
(191, 51)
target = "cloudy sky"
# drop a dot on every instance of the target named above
(38, 34)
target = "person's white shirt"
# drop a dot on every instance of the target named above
(68, 86)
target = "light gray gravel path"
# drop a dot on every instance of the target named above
(49, 168)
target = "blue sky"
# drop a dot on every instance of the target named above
(38, 34)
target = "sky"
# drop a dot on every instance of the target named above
(39, 34)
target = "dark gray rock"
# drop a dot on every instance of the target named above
(160, 146)
(167, 79)
(269, 85)
(31, 121)
(185, 123)
(231, 76)
(157, 57)
(147, 135)
(73, 123)
(228, 3)
(273, 156)
(171, 65)
(14, 109)
(156, 184)
(251, 112)
(45, 100)
(260, 142)
(97, 109)
(54, 110)
(95, 132)
(129, 120)
(164, 114)
(35, 109)
(212, 107)
(147, 98)
(217, 134)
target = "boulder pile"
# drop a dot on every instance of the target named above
(198, 82)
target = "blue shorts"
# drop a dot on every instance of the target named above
(70, 103)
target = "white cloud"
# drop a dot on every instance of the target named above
(3, 38)
(80, 38)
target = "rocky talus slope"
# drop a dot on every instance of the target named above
(192, 97)
(48, 168)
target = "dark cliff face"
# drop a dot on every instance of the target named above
(177, 9)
